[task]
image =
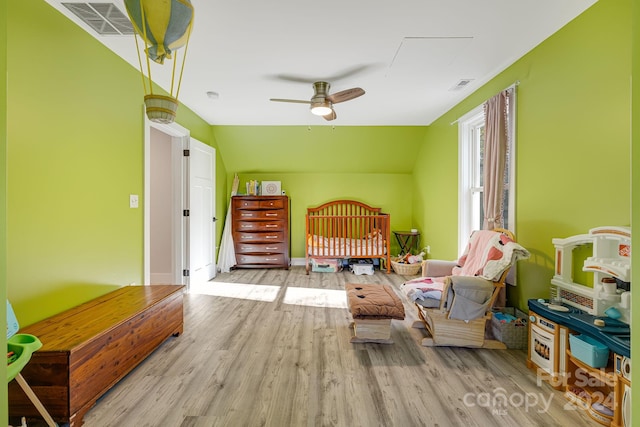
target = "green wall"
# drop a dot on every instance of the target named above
(435, 196)
(76, 151)
(572, 153)
(324, 149)
(3, 198)
(387, 191)
(317, 164)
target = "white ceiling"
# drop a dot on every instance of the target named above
(406, 55)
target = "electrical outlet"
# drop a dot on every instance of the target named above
(428, 249)
(133, 201)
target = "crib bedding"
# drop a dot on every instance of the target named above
(345, 247)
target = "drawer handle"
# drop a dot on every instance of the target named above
(246, 214)
(270, 237)
(271, 259)
(271, 249)
(271, 214)
(247, 237)
(271, 226)
(247, 225)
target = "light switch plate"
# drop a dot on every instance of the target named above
(133, 200)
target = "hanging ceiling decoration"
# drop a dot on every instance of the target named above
(167, 27)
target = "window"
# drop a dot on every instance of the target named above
(470, 172)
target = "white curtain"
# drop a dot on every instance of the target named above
(227, 255)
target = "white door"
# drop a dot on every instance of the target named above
(201, 205)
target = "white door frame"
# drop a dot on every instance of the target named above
(181, 136)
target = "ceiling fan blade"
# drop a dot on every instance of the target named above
(348, 72)
(297, 101)
(294, 78)
(330, 116)
(345, 95)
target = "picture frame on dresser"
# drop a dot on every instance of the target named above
(271, 188)
(261, 231)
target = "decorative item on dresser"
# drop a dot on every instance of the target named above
(261, 231)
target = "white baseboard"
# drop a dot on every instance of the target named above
(298, 261)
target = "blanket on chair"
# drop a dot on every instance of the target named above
(488, 255)
(417, 290)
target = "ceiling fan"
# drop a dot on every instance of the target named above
(322, 102)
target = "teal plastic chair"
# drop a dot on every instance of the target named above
(20, 347)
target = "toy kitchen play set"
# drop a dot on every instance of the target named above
(580, 339)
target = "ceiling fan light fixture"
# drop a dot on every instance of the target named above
(321, 108)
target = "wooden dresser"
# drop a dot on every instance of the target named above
(261, 231)
(87, 349)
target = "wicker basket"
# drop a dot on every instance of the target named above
(161, 109)
(406, 269)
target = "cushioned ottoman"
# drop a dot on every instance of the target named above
(372, 308)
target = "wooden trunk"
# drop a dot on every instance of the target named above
(86, 350)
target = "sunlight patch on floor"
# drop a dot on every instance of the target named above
(315, 297)
(267, 293)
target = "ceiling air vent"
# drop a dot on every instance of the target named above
(461, 84)
(105, 18)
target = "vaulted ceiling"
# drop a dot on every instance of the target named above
(411, 57)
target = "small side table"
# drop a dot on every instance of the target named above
(407, 240)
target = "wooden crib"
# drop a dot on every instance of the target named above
(347, 229)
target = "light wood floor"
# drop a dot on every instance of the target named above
(271, 348)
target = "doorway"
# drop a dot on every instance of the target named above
(179, 222)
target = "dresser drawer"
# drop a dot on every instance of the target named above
(259, 204)
(246, 204)
(259, 215)
(261, 248)
(275, 259)
(276, 236)
(272, 204)
(259, 225)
